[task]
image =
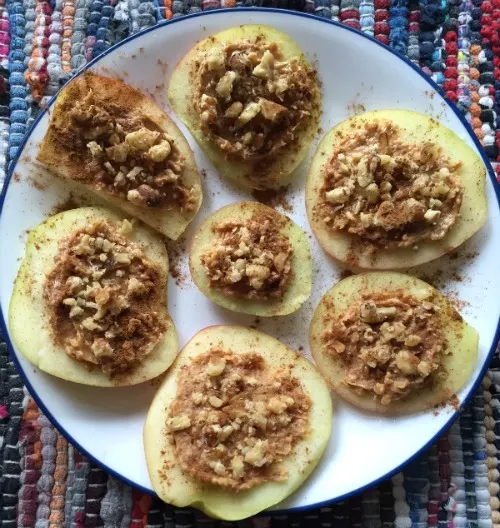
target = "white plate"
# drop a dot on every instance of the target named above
(356, 72)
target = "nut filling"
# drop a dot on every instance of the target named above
(234, 420)
(104, 299)
(249, 259)
(388, 192)
(128, 155)
(391, 344)
(250, 101)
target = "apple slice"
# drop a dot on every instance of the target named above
(176, 487)
(275, 172)
(462, 342)
(298, 288)
(29, 323)
(60, 151)
(414, 128)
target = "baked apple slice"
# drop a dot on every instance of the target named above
(392, 189)
(118, 143)
(251, 101)
(391, 343)
(249, 258)
(89, 301)
(238, 424)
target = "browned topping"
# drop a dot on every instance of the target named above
(249, 259)
(250, 101)
(105, 299)
(389, 192)
(391, 344)
(127, 154)
(234, 421)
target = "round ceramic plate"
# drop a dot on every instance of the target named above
(357, 73)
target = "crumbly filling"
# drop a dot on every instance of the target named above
(249, 259)
(391, 344)
(250, 101)
(104, 299)
(130, 156)
(389, 192)
(234, 420)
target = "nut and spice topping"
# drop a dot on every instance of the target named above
(250, 101)
(258, 417)
(104, 299)
(127, 155)
(249, 259)
(391, 344)
(389, 192)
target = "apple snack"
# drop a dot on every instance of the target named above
(391, 343)
(251, 101)
(89, 301)
(117, 143)
(237, 425)
(249, 258)
(393, 189)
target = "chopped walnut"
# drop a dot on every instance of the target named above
(250, 259)
(160, 152)
(390, 343)
(179, 422)
(142, 139)
(127, 152)
(251, 101)
(389, 192)
(242, 441)
(104, 299)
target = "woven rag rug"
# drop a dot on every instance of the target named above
(45, 481)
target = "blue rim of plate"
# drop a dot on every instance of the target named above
(458, 113)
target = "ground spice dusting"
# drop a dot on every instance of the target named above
(249, 259)
(273, 198)
(234, 421)
(251, 101)
(105, 299)
(456, 301)
(391, 344)
(389, 192)
(345, 273)
(176, 255)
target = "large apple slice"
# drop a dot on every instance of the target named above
(176, 487)
(414, 128)
(67, 155)
(29, 321)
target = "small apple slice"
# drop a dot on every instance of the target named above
(299, 285)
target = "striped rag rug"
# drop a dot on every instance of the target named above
(45, 481)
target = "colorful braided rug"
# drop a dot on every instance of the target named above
(44, 481)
